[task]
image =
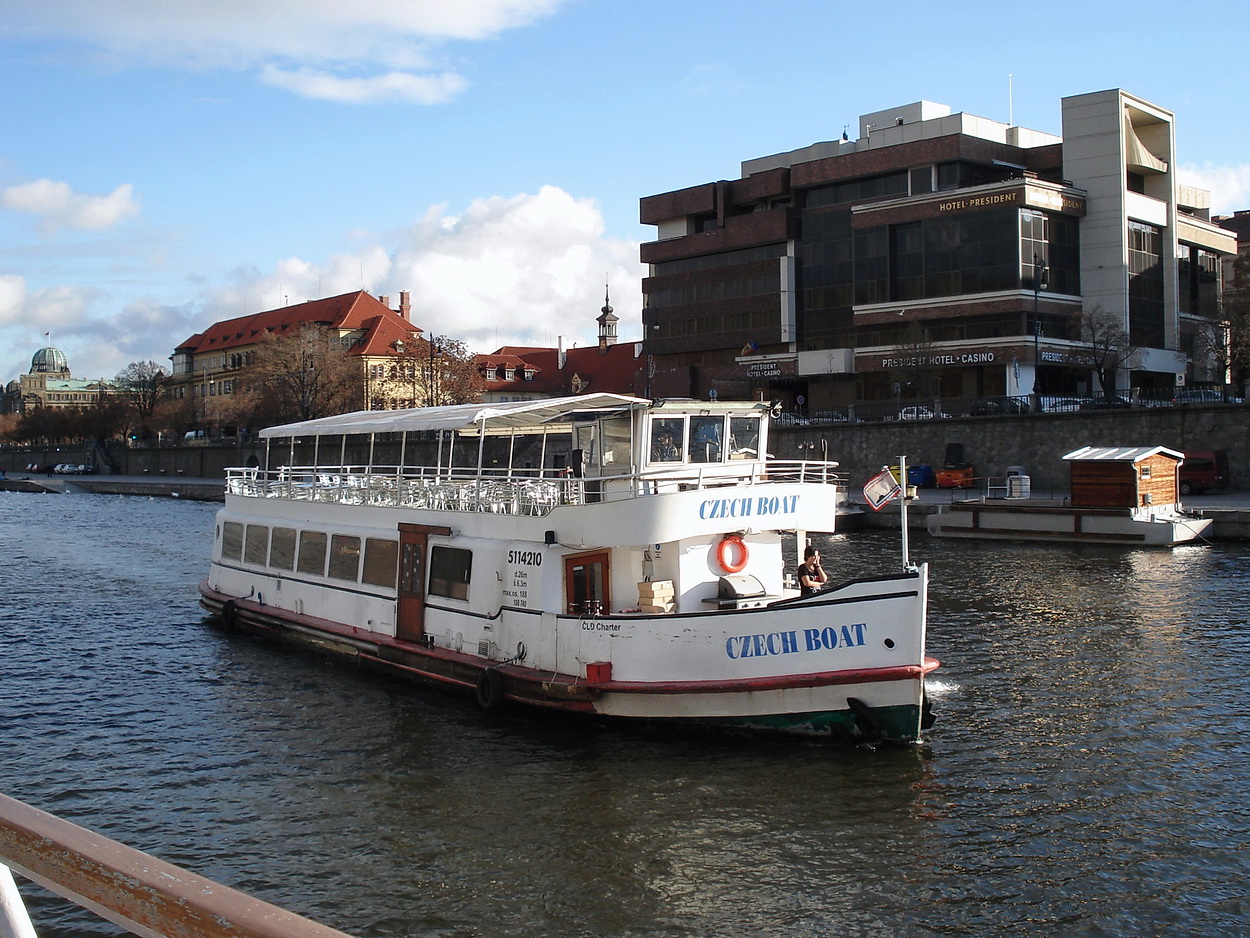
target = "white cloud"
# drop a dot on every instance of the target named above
(517, 271)
(12, 296)
(392, 86)
(282, 37)
(1229, 185)
(524, 270)
(58, 206)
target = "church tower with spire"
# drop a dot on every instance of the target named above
(607, 323)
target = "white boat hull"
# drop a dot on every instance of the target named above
(1043, 521)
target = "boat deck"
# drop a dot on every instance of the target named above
(501, 493)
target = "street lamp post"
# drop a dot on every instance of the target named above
(1039, 284)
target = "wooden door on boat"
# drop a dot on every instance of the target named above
(586, 583)
(413, 551)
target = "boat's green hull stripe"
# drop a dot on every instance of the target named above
(897, 724)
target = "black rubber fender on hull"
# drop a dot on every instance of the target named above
(490, 692)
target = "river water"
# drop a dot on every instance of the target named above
(1087, 774)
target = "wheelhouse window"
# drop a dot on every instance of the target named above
(667, 438)
(451, 568)
(744, 437)
(706, 438)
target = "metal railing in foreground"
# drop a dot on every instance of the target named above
(147, 896)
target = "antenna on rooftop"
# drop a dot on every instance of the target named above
(1011, 119)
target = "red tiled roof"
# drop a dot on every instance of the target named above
(358, 310)
(613, 370)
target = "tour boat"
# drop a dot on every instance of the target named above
(598, 554)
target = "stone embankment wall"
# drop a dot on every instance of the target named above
(1035, 441)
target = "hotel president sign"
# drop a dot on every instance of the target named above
(1026, 196)
(952, 358)
(997, 197)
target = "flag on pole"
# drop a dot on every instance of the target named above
(881, 488)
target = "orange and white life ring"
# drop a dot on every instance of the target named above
(725, 554)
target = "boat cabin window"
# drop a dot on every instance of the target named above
(312, 552)
(256, 545)
(616, 440)
(707, 436)
(344, 557)
(232, 541)
(282, 548)
(744, 437)
(381, 562)
(450, 571)
(667, 437)
(585, 440)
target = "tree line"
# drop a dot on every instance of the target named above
(285, 379)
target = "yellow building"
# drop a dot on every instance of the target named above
(50, 384)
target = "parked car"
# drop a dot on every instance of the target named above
(918, 412)
(1202, 470)
(999, 405)
(1198, 396)
(829, 416)
(1104, 403)
(1062, 405)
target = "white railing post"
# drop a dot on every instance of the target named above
(14, 920)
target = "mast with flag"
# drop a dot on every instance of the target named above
(882, 489)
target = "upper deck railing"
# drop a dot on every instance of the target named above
(519, 492)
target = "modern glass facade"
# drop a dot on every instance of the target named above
(1145, 285)
(935, 258)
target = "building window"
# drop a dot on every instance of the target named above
(1145, 285)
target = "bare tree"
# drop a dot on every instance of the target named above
(141, 384)
(452, 375)
(1224, 340)
(1106, 346)
(302, 376)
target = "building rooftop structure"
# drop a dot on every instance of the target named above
(514, 373)
(938, 254)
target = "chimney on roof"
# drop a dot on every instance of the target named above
(405, 304)
(385, 301)
(561, 357)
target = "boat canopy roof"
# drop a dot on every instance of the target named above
(1120, 453)
(464, 418)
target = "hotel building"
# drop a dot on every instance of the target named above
(936, 255)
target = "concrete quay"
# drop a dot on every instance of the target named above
(160, 486)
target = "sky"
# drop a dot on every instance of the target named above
(164, 166)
